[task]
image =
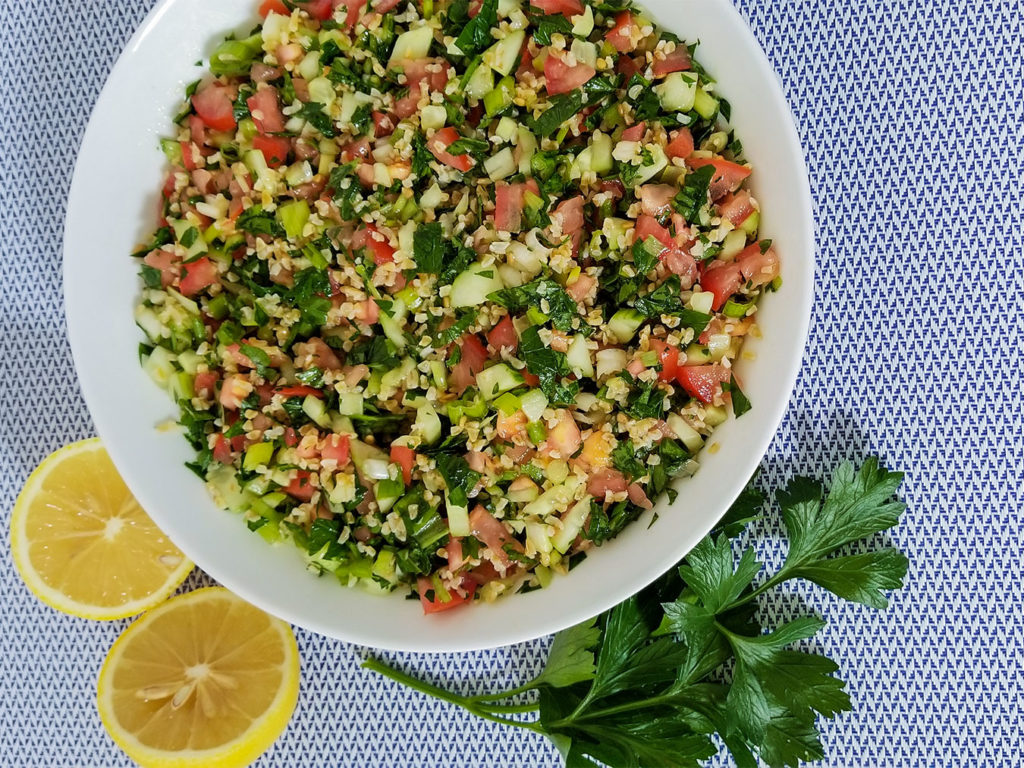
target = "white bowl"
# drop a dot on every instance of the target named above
(113, 205)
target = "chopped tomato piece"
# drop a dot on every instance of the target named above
(504, 335)
(703, 381)
(215, 105)
(508, 207)
(635, 132)
(405, 458)
(564, 437)
(474, 355)
(669, 358)
(656, 199)
(383, 124)
(166, 262)
(439, 144)
(355, 9)
(677, 61)
(723, 279)
(727, 176)
(621, 35)
(581, 287)
(736, 207)
(493, 533)
(606, 480)
(383, 6)
(680, 263)
(425, 586)
(222, 450)
(299, 390)
(268, 7)
(275, 149)
(648, 226)
(561, 78)
(321, 10)
(300, 487)
(379, 246)
(567, 8)
(265, 109)
(758, 266)
(571, 213)
(206, 383)
(335, 448)
(681, 144)
(291, 437)
(197, 275)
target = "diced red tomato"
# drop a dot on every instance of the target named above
(530, 379)
(656, 199)
(606, 480)
(681, 144)
(493, 533)
(669, 358)
(455, 558)
(433, 72)
(736, 207)
(355, 9)
(702, 381)
(197, 275)
(503, 335)
(268, 7)
(439, 144)
(561, 78)
(291, 437)
(299, 390)
(222, 450)
(638, 497)
(234, 390)
(571, 212)
(508, 207)
(758, 267)
(321, 10)
(627, 67)
(274, 148)
(166, 262)
(564, 437)
(437, 605)
(265, 109)
(215, 105)
(474, 355)
(405, 458)
(680, 263)
(581, 287)
(677, 61)
(727, 177)
(336, 448)
(723, 279)
(379, 246)
(383, 124)
(197, 129)
(621, 35)
(300, 487)
(206, 383)
(648, 226)
(635, 132)
(383, 6)
(356, 150)
(567, 8)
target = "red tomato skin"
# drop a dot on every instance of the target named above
(215, 106)
(504, 335)
(265, 109)
(681, 144)
(620, 35)
(677, 61)
(405, 458)
(300, 488)
(723, 280)
(222, 450)
(378, 244)
(321, 10)
(669, 358)
(474, 355)
(355, 8)
(299, 390)
(635, 132)
(197, 275)
(567, 8)
(571, 211)
(268, 7)
(648, 226)
(561, 78)
(436, 606)
(206, 383)
(727, 177)
(702, 381)
(274, 148)
(439, 144)
(336, 448)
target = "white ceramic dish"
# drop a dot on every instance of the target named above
(112, 207)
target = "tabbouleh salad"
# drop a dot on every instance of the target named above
(448, 291)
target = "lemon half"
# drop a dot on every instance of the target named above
(203, 680)
(84, 545)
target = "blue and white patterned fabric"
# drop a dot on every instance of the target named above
(912, 116)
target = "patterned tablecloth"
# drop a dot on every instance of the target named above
(912, 116)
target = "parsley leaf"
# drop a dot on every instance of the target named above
(428, 246)
(257, 222)
(665, 300)
(562, 308)
(476, 34)
(548, 365)
(694, 193)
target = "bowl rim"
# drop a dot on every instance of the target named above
(787, 377)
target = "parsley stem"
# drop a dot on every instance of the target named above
(504, 695)
(440, 693)
(774, 581)
(511, 708)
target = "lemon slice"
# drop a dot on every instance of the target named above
(203, 680)
(84, 545)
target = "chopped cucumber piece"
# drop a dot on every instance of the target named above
(350, 403)
(472, 287)
(533, 404)
(188, 235)
(160, 366)
(579, 357)
(480, 83)
(458, 518)
(625, 323)
(427, 424)
(386, 566)
(689, 436)
(553, 500)
(497, 379)
(503, 55)
(257, 455)
(734, 242)
(501, 165)
(647, 171)
(314, 407)
(433, 117)
(678, 91)
(507, 403)
(705, 105)
(527, 149)
(507, 129)
(537, 535)
(583, 24)
(751, 223)
(571, 525)
(715, 415)
(414, 44)
(293, 216)
(702, 301)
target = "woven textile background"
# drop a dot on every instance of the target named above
(912, 116)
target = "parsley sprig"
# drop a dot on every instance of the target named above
(652, 681)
